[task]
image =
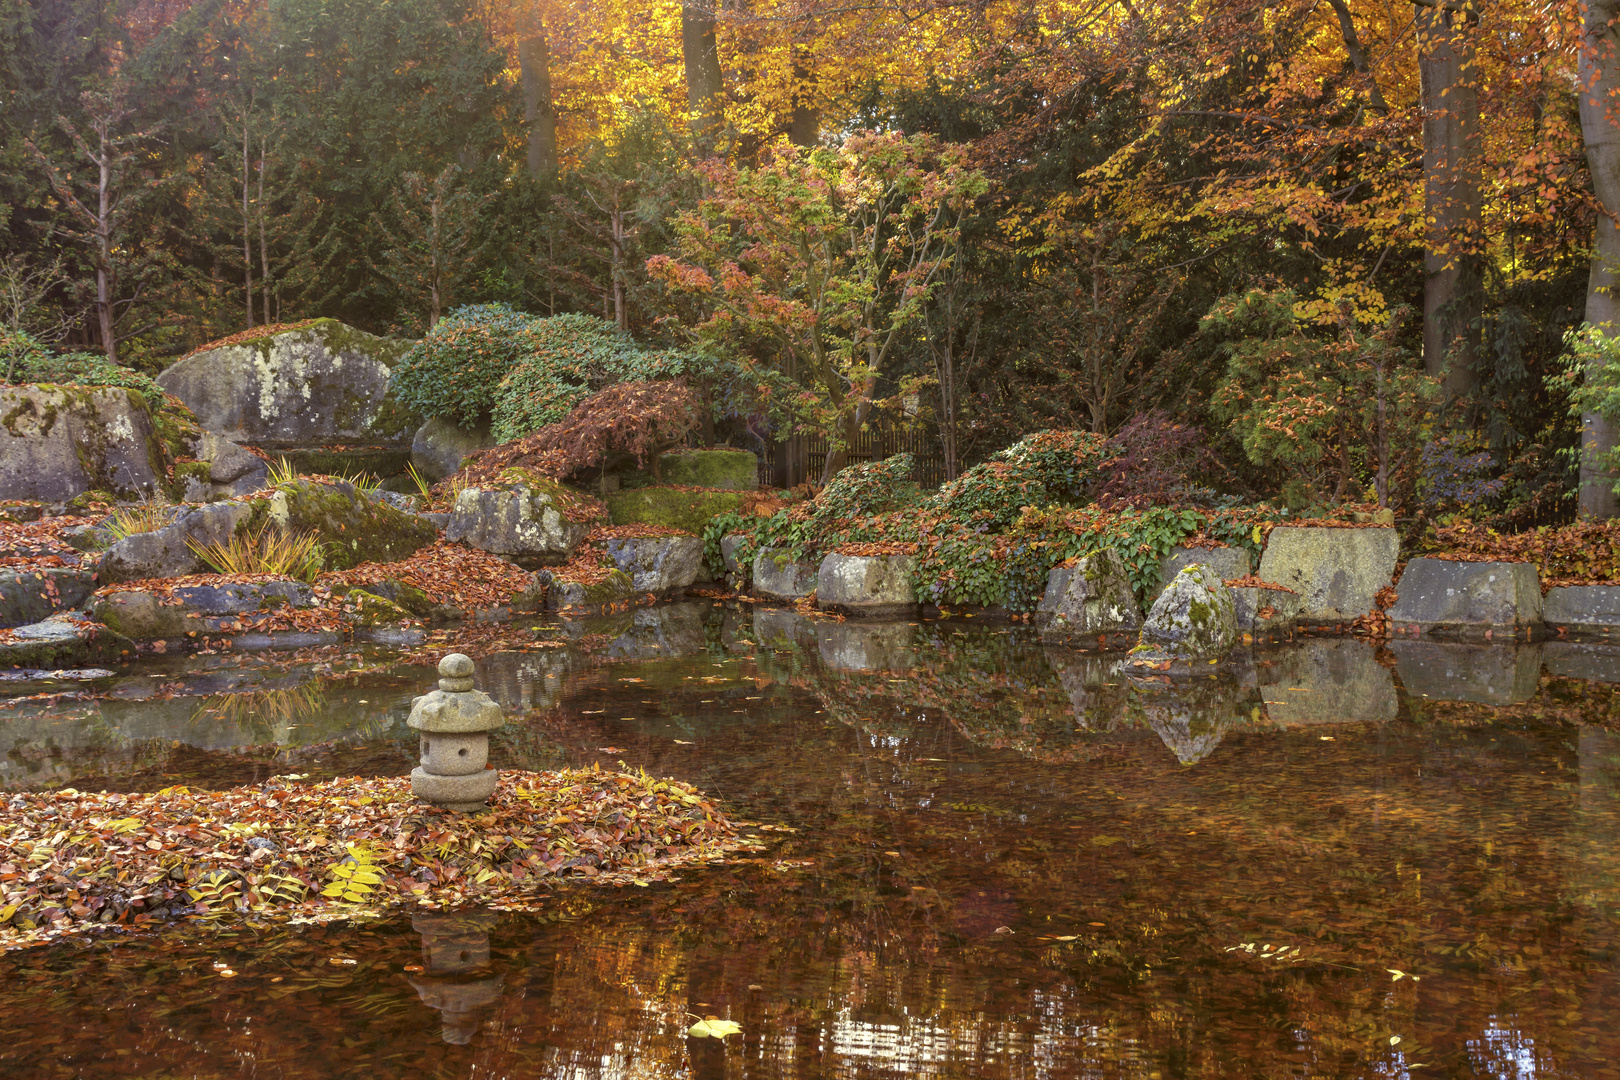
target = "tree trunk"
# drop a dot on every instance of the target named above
(804, 128)
(1600, 126)
(264, 243)
(534, 60)
(247, 226)
(621, 313)
(106, 282)
(1452, 200)
(705, 83)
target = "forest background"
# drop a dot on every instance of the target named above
(1315, 251)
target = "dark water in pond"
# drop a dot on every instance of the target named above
(996, 860)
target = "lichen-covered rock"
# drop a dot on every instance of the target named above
(688, 511)
(871, 585)
(61, 641)
(737, 573)
(1337, 572)
(1266, 613)
(223, 470)
(352, 527)
(30, 596)
(58, 442)
(1089, 599)
(1228, 562)
(439, 445)
(1193, 619)
(178, 613)
(664, 565)
(320, 383)
(521, 517)
(1468, 599)
(165, 553)
(778, 577)
(565, 595)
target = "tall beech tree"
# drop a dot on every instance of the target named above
(1600, 125)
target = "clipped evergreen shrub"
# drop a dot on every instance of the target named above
(1047, 468)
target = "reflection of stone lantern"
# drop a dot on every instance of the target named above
(457, 981)
(455, 721)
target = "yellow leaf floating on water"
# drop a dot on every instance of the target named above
(714, 1028)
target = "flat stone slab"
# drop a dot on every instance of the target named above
(873, 585)
(1468, 600)
(30, 596)
(664, 565)
(1265, 614)
(1453, 671)
(175, 614)
(1328, 681)
(1337, 572)
(778, 577)
(1583, 610)
(61, 641)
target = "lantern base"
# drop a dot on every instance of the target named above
(462, 793)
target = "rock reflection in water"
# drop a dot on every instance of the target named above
(861, 646)
(1192, 716)
(1326, 681)
(1451, 671)
(458, 979)
(660, 632)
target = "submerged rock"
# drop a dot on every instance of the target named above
(320, 383)
(873, 585)
(1092, 598)
(521, 516)
(58, 442)
(664, 565)
(1193, 619)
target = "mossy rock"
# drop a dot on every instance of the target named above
(377, 461)
(407, 596)
(726, 469)
(616, 587)
(353, 528)
(191, 481)
(688, 511)
(367, 610)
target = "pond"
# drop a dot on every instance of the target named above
(982, 858)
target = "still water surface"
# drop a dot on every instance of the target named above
(985, 858)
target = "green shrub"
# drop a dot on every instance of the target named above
(868, 488)
(1049, 467)
(27, 361)
(456, 371)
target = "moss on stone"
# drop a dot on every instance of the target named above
(188, 470)
(368, 610)
(688, 511)
(353, 528)
(370, 461)
(725, 469)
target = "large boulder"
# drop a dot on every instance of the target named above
(522, 515)
(658, 564)
(1337, 572)
(1328, 681)
(1583, 610)
(1228, 562)
(1453, 671)
(150, 614)
(1468, 599)
(30, 596)
(1193, 619)
(873, 585)
(322, 382)
(779, 577)
(439, 445)
(1092, 598)
(166, 552)
(57, 442)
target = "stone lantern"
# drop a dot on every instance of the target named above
(455, 721)
(458, 980)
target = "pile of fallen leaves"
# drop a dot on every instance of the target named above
(633, 532)
(253, 334)
(1585, 553)
(447, 573)
(588, 565)
(876, 547)
(72, 860)
(36, 544)
(1253, 581)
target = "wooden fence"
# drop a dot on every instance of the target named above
(802, 457)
